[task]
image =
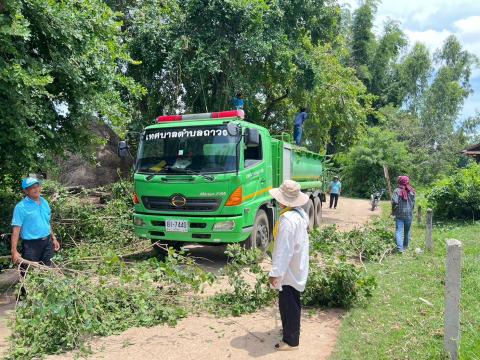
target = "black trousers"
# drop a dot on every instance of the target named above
(38, 250)
(290, 312)
(333, 197)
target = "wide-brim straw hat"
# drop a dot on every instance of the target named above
(289, 194)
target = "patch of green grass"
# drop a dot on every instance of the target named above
(396, 324)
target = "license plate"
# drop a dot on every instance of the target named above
(176, 225)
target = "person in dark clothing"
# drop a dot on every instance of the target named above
(403, 203)
(300, 119)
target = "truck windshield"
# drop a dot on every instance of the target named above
(203, 149)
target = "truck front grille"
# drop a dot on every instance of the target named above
(192, 204)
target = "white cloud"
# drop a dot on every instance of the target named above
(469, 25)
(431, 38)
(467, 31)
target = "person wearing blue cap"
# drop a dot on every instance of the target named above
(31, 223)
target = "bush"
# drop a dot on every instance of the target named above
(8, 199)
(337, 284)
(370, 243)
(457, 196)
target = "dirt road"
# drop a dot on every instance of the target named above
(350, 213)
(250, 336)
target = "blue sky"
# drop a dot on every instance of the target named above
(430, 22)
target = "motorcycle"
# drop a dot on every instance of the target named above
(375, 198)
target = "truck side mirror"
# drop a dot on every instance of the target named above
(252, 137)
(232, 129)
(122, 149)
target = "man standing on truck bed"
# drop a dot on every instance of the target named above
(290, 260)
(300, 118)
(31, 223)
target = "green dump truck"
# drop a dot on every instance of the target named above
(204, 178)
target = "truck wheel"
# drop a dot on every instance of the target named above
(317, 206)
(260, 236)
(309, 209)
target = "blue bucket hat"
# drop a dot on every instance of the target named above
(30, 181)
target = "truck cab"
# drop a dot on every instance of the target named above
(204, 178)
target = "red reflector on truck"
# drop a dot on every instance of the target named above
(135, 198)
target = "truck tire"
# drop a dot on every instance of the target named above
(309, 209)
(260, 236)
(317, 206)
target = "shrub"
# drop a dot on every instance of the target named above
(457, 196)
(337, 284)
(370, 243)
(8, 199)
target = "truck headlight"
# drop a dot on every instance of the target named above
(224, 226)
(138, 222)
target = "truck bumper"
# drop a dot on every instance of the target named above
(200, 229)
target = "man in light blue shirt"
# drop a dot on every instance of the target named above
(300, 118)
(335, 188)
(31, 223)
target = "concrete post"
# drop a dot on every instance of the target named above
(419, 214)
(452, 298)
(428, 235)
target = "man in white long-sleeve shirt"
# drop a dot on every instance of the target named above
(290, 260)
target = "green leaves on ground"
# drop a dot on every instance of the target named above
(65, 307)
(251, 290)
(371, 243)
(337, 284)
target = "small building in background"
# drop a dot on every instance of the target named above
(473, 151)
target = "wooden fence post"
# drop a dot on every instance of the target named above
(387, 178)
(419, 214)
(428, 235)
(451, 337)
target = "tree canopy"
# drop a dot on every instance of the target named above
(60, 68)
(66, 64)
